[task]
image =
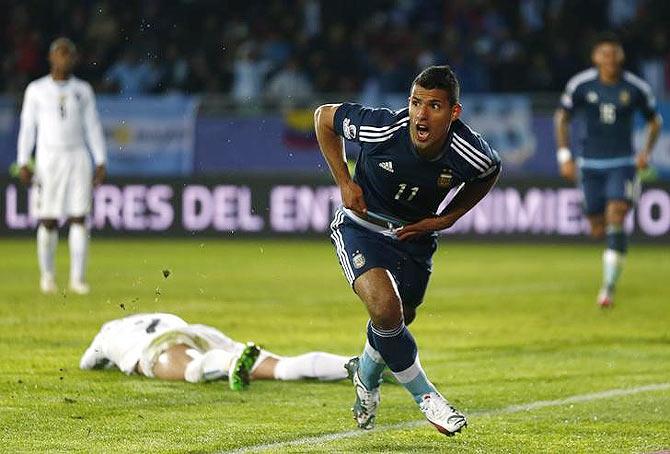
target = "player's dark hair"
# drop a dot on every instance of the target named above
(606, 38)
(442, 77)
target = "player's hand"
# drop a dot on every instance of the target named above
(568, 170)
(422, 227)
(642, 160)
(99, 177)
(25, 175)
(352, 198)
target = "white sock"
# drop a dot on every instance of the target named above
(47, 240)
(612, 266)
(319, 365)
(212, 365)
(78, 240)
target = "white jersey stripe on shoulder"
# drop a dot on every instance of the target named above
(382, 128)
(467, 158)
(488, 172)
(473, 149)
(464, 150)
(379, 139)
(642, 85)
(380, 134)
(580, 78)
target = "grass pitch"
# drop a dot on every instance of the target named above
(502, 325)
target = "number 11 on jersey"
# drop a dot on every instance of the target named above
(401, 189)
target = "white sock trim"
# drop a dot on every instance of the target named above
(611, 256)
(409, 374)
(372, 353)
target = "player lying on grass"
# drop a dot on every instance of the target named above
(166, 347)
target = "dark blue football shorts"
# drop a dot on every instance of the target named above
(360, 249)
(602, 185)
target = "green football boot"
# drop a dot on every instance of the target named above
(240, 371)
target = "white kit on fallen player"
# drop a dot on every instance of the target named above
(165, 346)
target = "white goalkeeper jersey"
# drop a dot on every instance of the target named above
(62, 117)
(123, 341)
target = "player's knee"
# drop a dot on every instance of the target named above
(616, 213)
(49, 224)
(598, 231)
(385, 313)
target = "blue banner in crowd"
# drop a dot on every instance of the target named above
(149, 136)
(8, 131)
(161, 136)
(287, 142)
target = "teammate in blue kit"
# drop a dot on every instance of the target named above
(386, 232)
(608, 97)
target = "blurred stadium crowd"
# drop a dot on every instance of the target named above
(288, 49)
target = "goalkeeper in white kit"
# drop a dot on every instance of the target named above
(164, 346)
(59, 119)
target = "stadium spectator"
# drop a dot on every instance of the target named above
(249, 73)
(131, 76)
(505, 41)
(59, 115)
(289, 87)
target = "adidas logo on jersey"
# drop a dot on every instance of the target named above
(388, 166)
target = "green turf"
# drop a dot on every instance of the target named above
(502, 325)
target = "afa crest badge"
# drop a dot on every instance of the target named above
(444, 180)
(624, 97)
(358, 260)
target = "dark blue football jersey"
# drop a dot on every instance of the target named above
(396, 181)
(608, 111)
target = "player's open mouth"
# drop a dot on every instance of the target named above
(422, 133)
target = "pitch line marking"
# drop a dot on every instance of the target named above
(320, 439)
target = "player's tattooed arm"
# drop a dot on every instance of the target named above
(332, 148)
(471, 193)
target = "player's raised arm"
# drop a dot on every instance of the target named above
(332, 148)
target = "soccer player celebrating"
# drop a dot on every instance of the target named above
(60, 110)
(386, 232)
(608, 97)
(166, 347)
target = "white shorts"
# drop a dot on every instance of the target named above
(63, 185)
(199, 337)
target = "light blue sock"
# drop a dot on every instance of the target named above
(415, 381)
(612, 265)
(370, 367)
